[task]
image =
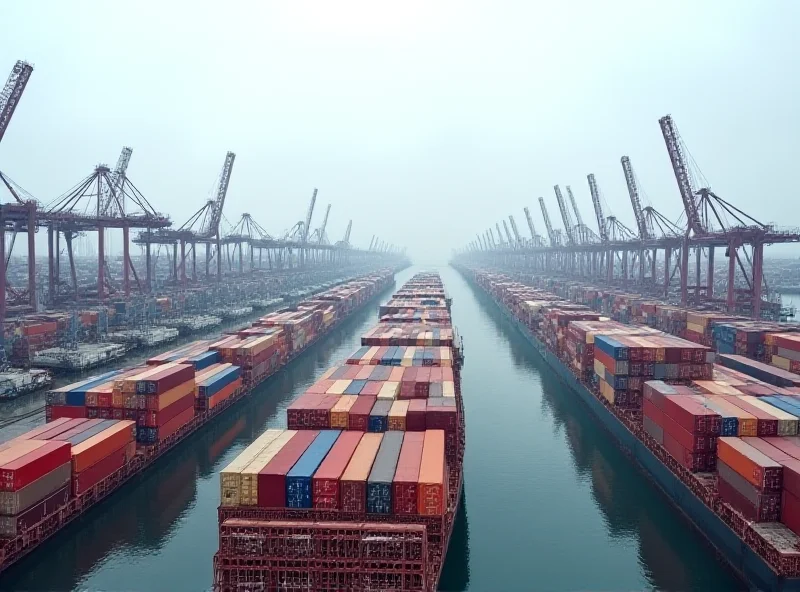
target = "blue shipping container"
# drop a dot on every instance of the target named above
(355, 386)
(95, 429)
(216, 383)
(379, 416)
(205, 360)
(298, 479)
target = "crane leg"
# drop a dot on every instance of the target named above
(710, 289)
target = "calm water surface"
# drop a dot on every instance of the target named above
(549, 503)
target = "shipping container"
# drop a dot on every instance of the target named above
(272, 478)
(432, 480)
(353, 482)
(379, 482)
(299, 492)
(325, 482)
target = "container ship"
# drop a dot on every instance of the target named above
(102, 431)
(360, 491)
(716, 432)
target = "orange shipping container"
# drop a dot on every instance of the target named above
(224, 394)
(432, 482)
(174, 394)
(397, 374)
(745, 460)
(99, 446)
(397, 415)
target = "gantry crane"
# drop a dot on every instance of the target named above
(113, 194)
(598, 208)
(550, 232)
(511, 244)
(530, 225)
(12, 92)
(515, 230)
(633, 191)
(564, 214)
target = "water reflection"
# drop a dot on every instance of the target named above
(673, 557)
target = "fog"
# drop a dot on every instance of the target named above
(423, 122)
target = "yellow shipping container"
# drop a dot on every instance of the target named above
(338, 387)
(230, 478)
(397, 415)
(365, 359)
(248, 494)
(340, 412)
(781, 362)
(389, 390)
(448, 388)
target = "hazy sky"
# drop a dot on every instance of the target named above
(422, 121)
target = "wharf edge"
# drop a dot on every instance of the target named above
(741, 557)
(12, 550)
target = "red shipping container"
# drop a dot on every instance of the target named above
(320, 387)
(691, 415)
(58, 411)
(36, 432)
(790, 510)
(447, 374)
(364, 373)
(371, 389)
(406, 476)
(155, 419)
(11, 526)
(96, 448)
(90, 477)
(168, 378)
(691, 442)
(416, 415)
(440, 418)
(376, 359)
(325, 483)
(768, 509)
(790, 464)
(29, 467)
(694, 461)
(272, 478)
(650, 410)
(353, 482)
(789, 445)
(358, 415)
(436, 375)
(175, 423)
(351, 372)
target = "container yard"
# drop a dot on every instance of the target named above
(372, 456)
(115, 425)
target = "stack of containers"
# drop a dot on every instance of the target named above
(623, 363)
(749, 481)
(682, 424)
(785, 452)
(164, 399)
(182, 353)
(70, 401)
(745, 338)
(699, 326)
(783, 350)
(216, 384)
(259, 356)
(579, 344)
(34, 481)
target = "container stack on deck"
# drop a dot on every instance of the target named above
(723, 424)
(371, 461)
(104, 429)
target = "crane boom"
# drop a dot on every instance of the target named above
(598, 208)
(515, 230)
(11, 93)
(346, 232)
(371, 243)
(633, 191)
(530, 224)
(324, 224)
(548, 224)
(114, 188)
(574, 206)
(491, 236)
(564, 213)
(511, 243)
(480, 242)
(682, 175)
(499, 234)
(211, 226)
(308, 216)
